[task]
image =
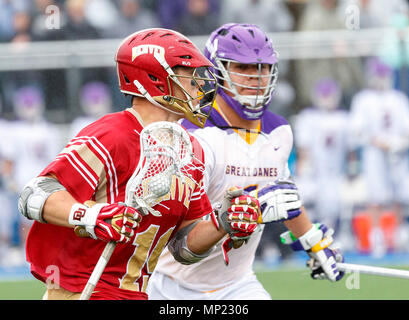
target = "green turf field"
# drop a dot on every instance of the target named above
(299, 285)
(294, 284)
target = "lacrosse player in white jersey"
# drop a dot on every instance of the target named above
(31, 144)
(7, 200)
(321, 137)
(247, 146)
(380, 125)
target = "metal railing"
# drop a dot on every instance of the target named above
(100, 53)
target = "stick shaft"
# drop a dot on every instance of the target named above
(98, 270)
(379, 271)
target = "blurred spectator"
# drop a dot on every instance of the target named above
(133, 18)
(270, 15)
(380, 126)
(101, 14)
(7, 10)
(22, 27)
(77, 26)
(170, 15)
(197, 19)
(149, 4)
(347, 72)
(95, 100)
(320, 135)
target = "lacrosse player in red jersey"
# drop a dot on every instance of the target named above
(167, 77)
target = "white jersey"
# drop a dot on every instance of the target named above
(31, 146)
(382, 118)
(323, 134)
(323, 137)
(232, 161)
(382, 115)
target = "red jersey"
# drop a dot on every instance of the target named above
(96, 165)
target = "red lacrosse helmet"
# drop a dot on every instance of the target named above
(145, 63)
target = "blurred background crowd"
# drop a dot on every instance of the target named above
(349, 112)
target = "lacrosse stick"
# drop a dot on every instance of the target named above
(166, 150)
(377, 271)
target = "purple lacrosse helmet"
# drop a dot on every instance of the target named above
(379, 74)
(95, 99)
(245, 44)
(376, 67)
(326, 94)
(29, 103)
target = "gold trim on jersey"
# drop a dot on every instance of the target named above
(135, 114)
(250, 136)
(96, 165)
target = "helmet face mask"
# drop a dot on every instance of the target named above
(153, 64)
(248, 93)
(235, 82)
(194, 92)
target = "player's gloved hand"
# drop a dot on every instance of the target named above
(317, 242)
(237, 214)
(107, 222)
(279, 201)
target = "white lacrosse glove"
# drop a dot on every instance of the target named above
(107, 222)
(279, 201)
(237, 214)
(323, 257)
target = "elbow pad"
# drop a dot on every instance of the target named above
(178, 247)
(31, 200)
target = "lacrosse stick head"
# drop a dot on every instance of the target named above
(166, 150)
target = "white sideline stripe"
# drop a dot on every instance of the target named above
(378, 271)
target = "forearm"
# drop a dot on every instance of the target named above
(300, 224)
(203, 237)
(57, 208)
